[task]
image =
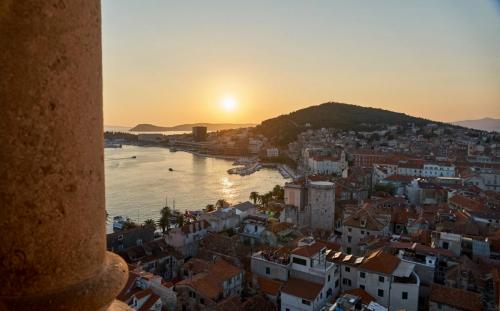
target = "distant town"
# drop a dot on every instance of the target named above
(403, 217)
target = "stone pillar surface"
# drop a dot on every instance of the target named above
(52, 213)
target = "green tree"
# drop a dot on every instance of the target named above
(129, 224)
(180, 220)
(254, 196)
(221, 203)
(150, 222)
(278, 193)
(210, 208)
(164, 221)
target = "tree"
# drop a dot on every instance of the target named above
(210, 208)
(129, 224)
(266, 198)
(164, 221)
(221, 203)
(180, 220)
(150, 222)
(254, 196)
(278, 193)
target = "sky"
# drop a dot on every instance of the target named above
(186, 61)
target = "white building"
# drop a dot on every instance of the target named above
(272, 152)
(438, 170)
(391, 281)
(185, 239)
(326, 165)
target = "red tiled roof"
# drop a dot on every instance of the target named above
(466, 203)
(301, 288)
(458, 298)
(143, 293)
(209, 284)
(365, 297)
(380, 261)
(269, 286)
(149, 303)
(308, 250)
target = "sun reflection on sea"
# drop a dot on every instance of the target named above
(228, 190)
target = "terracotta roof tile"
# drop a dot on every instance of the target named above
(459, 298)
(308, 250)
(209, 284)
(380, 261)
(301, 288)
(269, 286)
(365, 297)
(149, 303)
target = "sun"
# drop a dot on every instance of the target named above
(228, 103)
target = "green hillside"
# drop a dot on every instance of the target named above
(284, 129)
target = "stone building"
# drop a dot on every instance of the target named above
(320, 209)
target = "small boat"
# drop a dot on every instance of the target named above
(134, 157)
(170, 169)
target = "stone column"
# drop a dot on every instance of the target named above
(52, 213)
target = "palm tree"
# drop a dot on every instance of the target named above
(210, 208)
(254, 196)
(164, 221)
(150, 222)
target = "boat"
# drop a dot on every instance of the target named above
(134, 157)
(118, 223)
(170, 169)
(110, 144)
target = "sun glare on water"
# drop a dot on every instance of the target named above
(228, 103)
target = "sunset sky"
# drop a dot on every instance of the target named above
(171, 62)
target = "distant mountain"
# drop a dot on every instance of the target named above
(284, 129)
(188, 127)
(485, 124)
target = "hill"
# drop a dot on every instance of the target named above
(485, 124)
(284, 129)
(187, 127)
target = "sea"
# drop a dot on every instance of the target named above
(139, 182)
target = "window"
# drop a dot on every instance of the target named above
(362, 275)
(348, 250)
(202, 301)
(349, 239)
(445, 245)
(381, 279)
(287, 309)
(336, 283)
(328, 278)
(184, 308)
(268, 270)
(256, 228)
(362, 231)
(362, 286)
(349, 229)
(346, 282)
(300, 261)
(306, 302)
(404, 295)
(347, 269)
(380, 293)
